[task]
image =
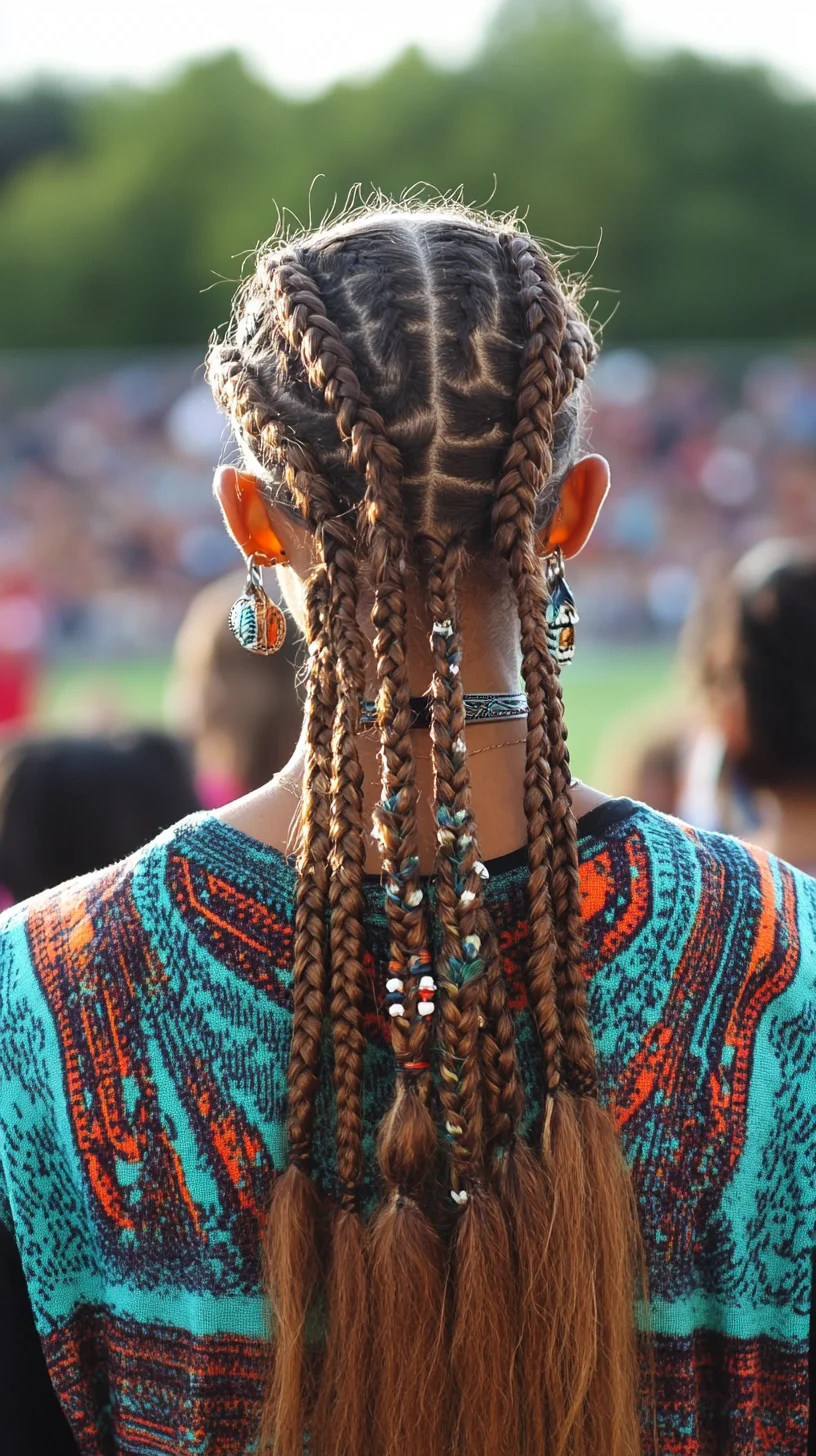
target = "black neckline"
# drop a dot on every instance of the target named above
(590, 826)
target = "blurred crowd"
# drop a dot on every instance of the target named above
(108, 526)
(107, 523)
(111, 548)
(711, 452)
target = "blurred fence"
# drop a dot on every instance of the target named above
(108, 526)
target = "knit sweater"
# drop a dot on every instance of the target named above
(145, 1016)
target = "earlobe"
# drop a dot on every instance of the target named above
(583, 493)
(239, 494)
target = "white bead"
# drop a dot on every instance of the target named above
(397, 1009)
(454, 668)
(426, 1008)
(394, 984)
(427, 983)
(467, 897)
(482, 871)
(459, 745)
(414, 899)
(443, 629)
(460, 1197)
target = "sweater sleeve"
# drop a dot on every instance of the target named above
(31, 1417)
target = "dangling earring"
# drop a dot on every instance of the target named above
(257, 622)
(561, 613)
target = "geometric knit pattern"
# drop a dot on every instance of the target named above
(145, 1017)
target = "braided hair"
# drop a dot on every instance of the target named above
(409, 384)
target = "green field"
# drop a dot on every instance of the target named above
(613, 698)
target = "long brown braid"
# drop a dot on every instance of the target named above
(410, 385)
(336, 676)
(589, 1190)
(484, 1332)
(405, 1149)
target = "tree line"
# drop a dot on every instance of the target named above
(126, 214)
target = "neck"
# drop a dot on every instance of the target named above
(491, 662)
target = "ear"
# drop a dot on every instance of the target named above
(582, 495)
(247, 516)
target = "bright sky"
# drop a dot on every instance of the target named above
(303, 45)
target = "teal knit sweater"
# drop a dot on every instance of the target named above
(145, 1018)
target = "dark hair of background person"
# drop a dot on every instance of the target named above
(753, 633)
(239, 712)
(409, 385)
(72, 805)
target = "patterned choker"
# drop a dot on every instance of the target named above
(479, 708)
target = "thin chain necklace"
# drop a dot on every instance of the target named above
(296, 789)
(472, 752)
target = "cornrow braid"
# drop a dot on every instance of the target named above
(526, 465)
(591, 1202)
(313, 876)
(329, 366)
(290, 1253)
(484, 1332)
(340, 650)
(339, 1418)
(525, 1200)
(290, 1247)
(577, 351)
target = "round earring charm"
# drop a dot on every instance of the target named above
(256, 621)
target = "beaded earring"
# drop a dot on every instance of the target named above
(561, 612)
(256, 621)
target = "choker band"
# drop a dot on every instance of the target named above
(479, 708)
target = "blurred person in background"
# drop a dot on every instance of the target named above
(239, 712)
(72, 805)
(750, 647)
(493, 1040)
(649, 766)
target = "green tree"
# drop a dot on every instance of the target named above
(132, 225)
